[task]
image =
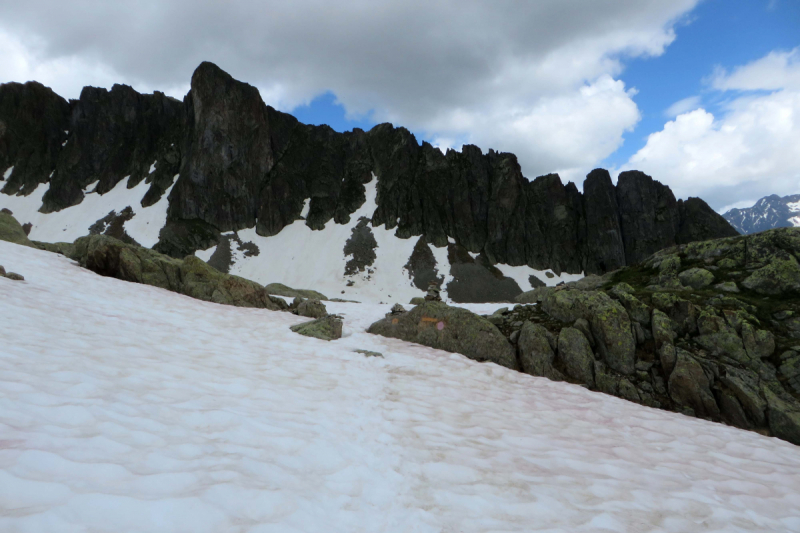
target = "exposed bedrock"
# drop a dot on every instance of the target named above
(242, 164)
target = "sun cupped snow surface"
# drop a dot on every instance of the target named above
(128, 408)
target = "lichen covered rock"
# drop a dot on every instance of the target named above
(327, 328)
(576, 356)
(611, 325)
(191, 276)
(536, 356)
(452, 329)
(696, 278)
(312, 309)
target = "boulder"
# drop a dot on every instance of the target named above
(689, 386)
(758, 343)
(575, 355)
(696, 278)
(783, 416)
(535, 353)
(280, 289)
(611, 326)
(720, 339)
(14, 276)
(417, 300)
(312, 309)
(745, 386)
(326, 328)
(727, 286)
(780, 276)
(637, 310)
(452, 329)
(535, 296)
(683, 313)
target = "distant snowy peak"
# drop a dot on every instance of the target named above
(768, 213)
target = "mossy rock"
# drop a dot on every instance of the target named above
(781, 276)
(536, 356)
(696, 278)
(312, 309)
(417, 300)
(190, 276)
(280, 289)
(611, 325)
(67, 249)
(11, 231)
(452, 329)
(327, 328)
(575, 355)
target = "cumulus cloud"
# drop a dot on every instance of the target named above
(536, 78)
(747, 152)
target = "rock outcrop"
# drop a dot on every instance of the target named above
(242, 164)
(191, 276)
(710, 329)
(452, 329)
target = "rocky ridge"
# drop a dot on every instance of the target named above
(234, 163)
(769, 212)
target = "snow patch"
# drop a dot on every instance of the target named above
(157, 412)
(521, 275)
(69, 224)
(305, 259)
(205, 255)
(152, 167)
(8, 172)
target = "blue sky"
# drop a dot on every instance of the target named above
(716, 34)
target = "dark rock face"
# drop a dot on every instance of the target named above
(113, 225)
(114, 134)
(649, 215)
(231, 142)
(603, 231)
(242, 164)
(222, 258)
(697, 220)
(33, 124)
(421, 266)
(476, 280)
(361, 245)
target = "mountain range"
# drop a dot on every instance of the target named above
(769, 212)
(364, 213)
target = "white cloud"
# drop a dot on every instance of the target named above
(777, 70)
(534, 78)
(682, 106)
(748, 151)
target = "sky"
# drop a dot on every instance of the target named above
(703, 95)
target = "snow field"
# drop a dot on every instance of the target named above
(127, 408)
(69, 224)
